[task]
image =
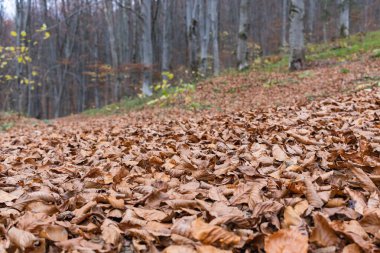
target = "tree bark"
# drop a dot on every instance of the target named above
(325, 20)
(108, 8)
(296, 35)
(205, 35)
(284, 23)
(215, 35)
(192, 23)
(311, 19)
(146, 9)
(166, 36)
(344, 18)
(242, 47)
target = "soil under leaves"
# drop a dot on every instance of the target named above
(286, 179)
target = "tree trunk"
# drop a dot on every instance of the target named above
(215, 35)
(242, 47)
(192, 23)
(146, 9)
(166, 36)
(325, 19)
(344, 18)
(311, 19)
(296, 35)
(284, 23)
(108, 8)
(205, 35)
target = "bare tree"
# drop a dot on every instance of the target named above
(204, 34)
(344, 17)
(166, 4)
(242, 47)
(284, 23)
(296, 35)
(325, 19)
(215, 35)
(312, 9)
(108, 9)
(192, 23)
(147, 54)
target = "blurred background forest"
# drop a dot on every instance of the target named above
(60, 57)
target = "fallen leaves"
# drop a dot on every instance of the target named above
(286, 241)
(21, 238)
(289, 179)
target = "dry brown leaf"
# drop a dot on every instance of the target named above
(352, 248)
(241, 194)
(84, 209)
(21, 238)
(183, 226)
(371, 222)
(55, 233)
(210, 234)
(6, 197)
(322, 232)
(335, 202)
(116, 203)
(291, 217)
(286, 241)
(150, 214)
(311, 194)
(301, 207)
(279, 154)
(217, 194)
(179, 249)
(111, 233)
(211, 249)
(363, 178)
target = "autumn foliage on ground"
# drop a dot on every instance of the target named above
(298, 177)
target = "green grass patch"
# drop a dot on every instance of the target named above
(125, 105)
(341, 50)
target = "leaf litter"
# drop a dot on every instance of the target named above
(286, 179)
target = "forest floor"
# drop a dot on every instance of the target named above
(281, 162)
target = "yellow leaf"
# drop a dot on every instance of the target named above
(23, 33)
(34, 73)
(47, 35)
(13, 34)
(43, 28)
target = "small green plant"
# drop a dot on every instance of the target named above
(376, 53)
(169, 94)
(6, 126)
(344, 71)
(305, 74)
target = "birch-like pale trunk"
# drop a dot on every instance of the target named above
(284, 23)
(215, 35)
(205, 35)
(147, 54)
(242, 46)
(344, 18)
(108, 9)
(296, 35)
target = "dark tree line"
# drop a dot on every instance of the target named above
(99, 51)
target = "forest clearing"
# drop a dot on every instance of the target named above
(197, 136)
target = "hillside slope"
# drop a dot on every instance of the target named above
(249, 162)
(294, 177)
